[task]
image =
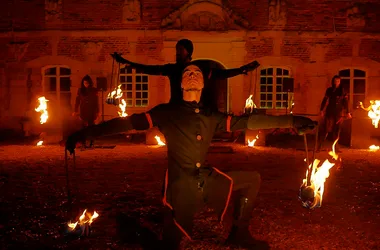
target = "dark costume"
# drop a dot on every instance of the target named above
(87, 103)
(335, 108)
(188, 128)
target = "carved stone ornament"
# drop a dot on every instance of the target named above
(277, 12)
(355, 18)
(53, 10)
(131, 11)
(17, 50)
(202, 15)
(91, 50)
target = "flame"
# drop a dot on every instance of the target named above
(118, 94)
(122, 107)
(291, 109)
(83, 219)
(373, 111)
(159, 142)
(39, 143)
(374, 147)
(249, 103)
(42, 108)
(252, 143)
(319, 176)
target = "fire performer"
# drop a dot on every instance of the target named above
(334, 109)
(184, 51)
(188, 127)
(87, 104)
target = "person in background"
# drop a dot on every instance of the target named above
(334, 109)
(87, 103)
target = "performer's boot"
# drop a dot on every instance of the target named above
(240, 235)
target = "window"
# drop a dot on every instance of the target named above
(135, 86)
(57, 83)
(354, 82)
(272, 91)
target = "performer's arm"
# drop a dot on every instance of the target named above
(142, 121)
(145, 69)
(258, 121)
(77, 102)
(228, 73)
(324, 100)
(97, 109)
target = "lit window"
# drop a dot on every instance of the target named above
(57, 83)
(272, 91)
(354, 82)
(135, 86)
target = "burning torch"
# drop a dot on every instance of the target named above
(115, 96)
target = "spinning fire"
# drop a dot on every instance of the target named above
(373, 111)
(311, 191)
(42, 108)
(82, 226)
(248, 109)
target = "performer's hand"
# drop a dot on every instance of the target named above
(75, 114)
(118, 58)
(73, 139)
(250, 66)
(303, 124)
(349, 116)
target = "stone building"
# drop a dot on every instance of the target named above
(47, 46)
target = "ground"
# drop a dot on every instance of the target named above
(125, 182)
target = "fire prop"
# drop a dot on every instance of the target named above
(115, 98)
(159, 142)
(82, 226)
(373, 111)
(311, 192)
(42, 108)
(249, 105)
(39, 143)
(374, 147)
(252, 143)
(122, 107)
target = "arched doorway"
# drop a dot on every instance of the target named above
(216, 89)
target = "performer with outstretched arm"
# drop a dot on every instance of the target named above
(188, 128)
(184, 51)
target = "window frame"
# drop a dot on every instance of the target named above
(351, 78)
(134, 90)
(58, 77)
(274, 85)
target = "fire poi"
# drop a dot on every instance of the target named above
(39, 143)
(374, 147)
(311, 191)
(249, 105)
(82, 226)
(373, 111)
(42, 108)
